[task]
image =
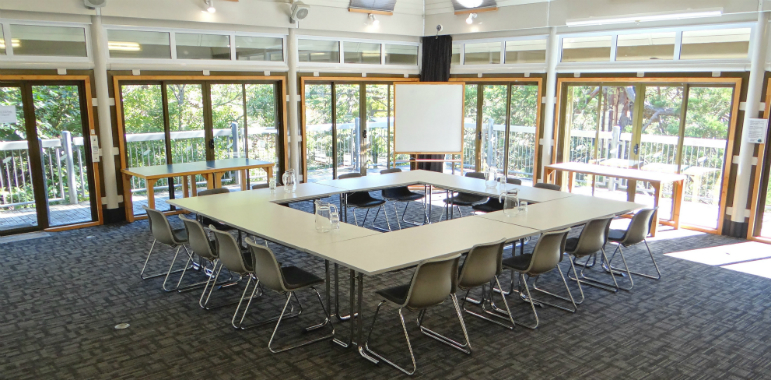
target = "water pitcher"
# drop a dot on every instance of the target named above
(290, 181)
(325, 212)
(510, 201)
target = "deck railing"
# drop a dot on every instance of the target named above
(64, 169)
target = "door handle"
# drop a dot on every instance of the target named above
(364, 133)
(479, 135)
(211, 144)
(636, 148)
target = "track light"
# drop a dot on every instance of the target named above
(371, 20)
(210, 6)
(471, 17)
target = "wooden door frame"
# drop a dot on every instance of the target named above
(85, 80)
(563, 83)
(117, 79)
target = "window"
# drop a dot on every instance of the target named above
(645, 46)
(401, 55)
(716, 44)
(2, 42)
(455, 60)
(259, 48)
(483, 53)
(49, 41)
(526, 51)
(318, 51)
(360, 52)
(136, 44)
(586, 49)
(202, 46)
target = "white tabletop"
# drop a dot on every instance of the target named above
(565, 212)
(479, 186)
(405, 248)
(635, 174)
(253, 214)
(377, 181)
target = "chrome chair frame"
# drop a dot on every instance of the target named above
(406, 203)
(535, 270)
(355, 218)
(408, 303)
(164, 234)
(266, 266)
(582, 250)
(640, 232)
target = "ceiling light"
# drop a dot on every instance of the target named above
(371, 20)
(645, 18)
(15, 42)
(124, 46)
(471, 17)
(470, 3)
(210, 6)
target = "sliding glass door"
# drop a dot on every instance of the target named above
(174, 122)
(348, 128)
(500, 127)
(664, 127)
(46, 175)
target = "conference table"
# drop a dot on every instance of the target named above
(655, 178)
(367, 252)
(211, 170)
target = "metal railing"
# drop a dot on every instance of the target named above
(702, 160)
(64, 170)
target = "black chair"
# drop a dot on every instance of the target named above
(547, 186)
(493, 204)
(363, 200)
(402, 194)
(466, 199)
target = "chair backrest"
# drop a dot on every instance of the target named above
(593, 237)
(475, 175)
(348, 175)
(432, 282)
(221, 190)
(260, 186)
(266, 268)
(513, 181)
(229, 252)
(548, 251)
(547, 186)
(639, 227)
(392, 170)
(482, 263)
(197, 238)
(160, 227)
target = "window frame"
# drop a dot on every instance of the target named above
(360, 66)
(5, 24)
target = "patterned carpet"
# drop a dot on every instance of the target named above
(61, 296)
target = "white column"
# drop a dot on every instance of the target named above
(295, 146)
(100, 53)
(754, 89)
(552, 58)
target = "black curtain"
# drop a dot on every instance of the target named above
(437, 53)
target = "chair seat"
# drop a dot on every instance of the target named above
(465, 199)
(395, 294)
(616, 235)
(491, 205)
(180, 235)
(571, 244)
(362, 199)
(296, 278)
(402, 194)
(519, 262)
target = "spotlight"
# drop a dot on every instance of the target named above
(371, 20)
(210, 6)
(471, 17)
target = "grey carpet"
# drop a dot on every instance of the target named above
(61, 296)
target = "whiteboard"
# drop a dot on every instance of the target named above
(428, 118)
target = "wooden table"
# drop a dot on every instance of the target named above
(211, 170)
(632, 175)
